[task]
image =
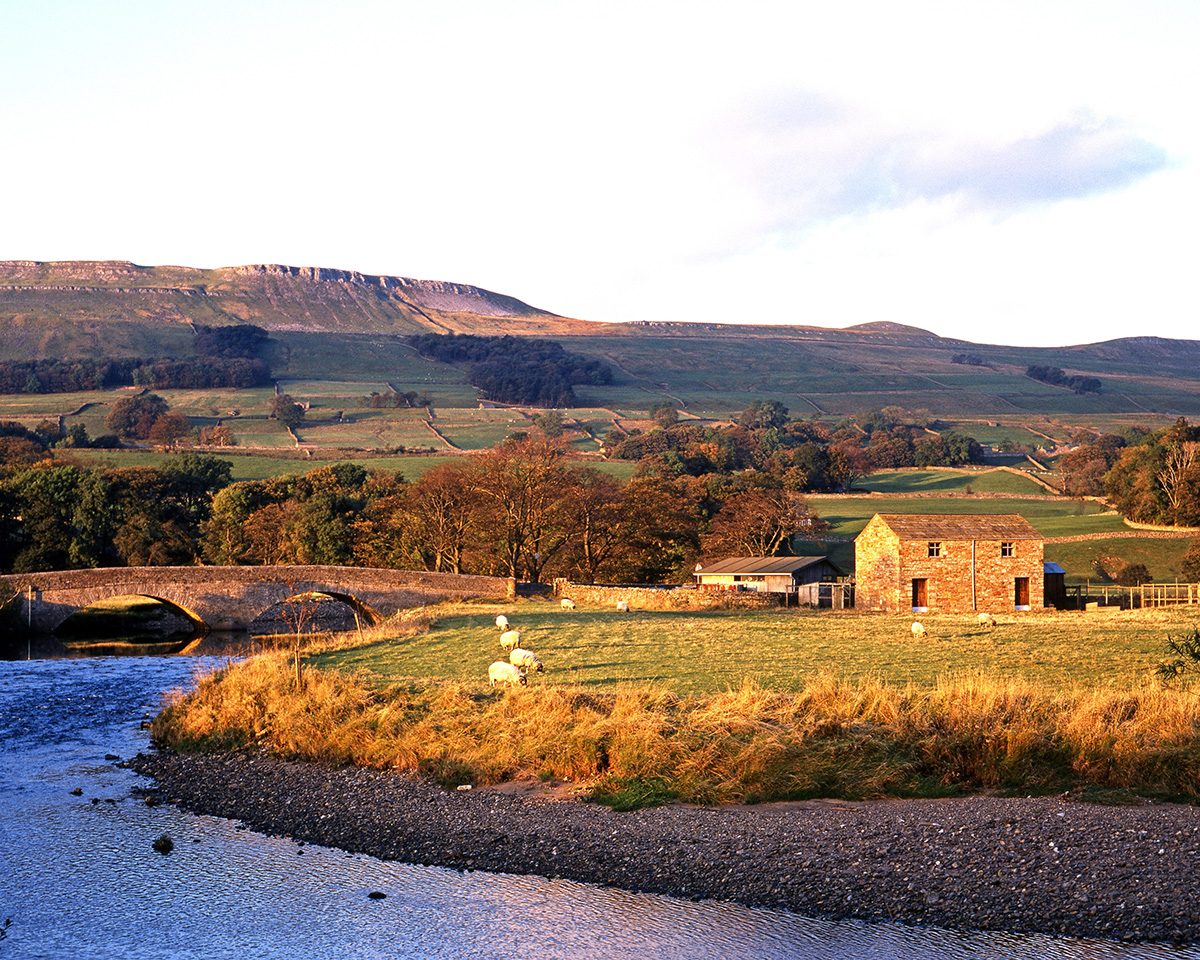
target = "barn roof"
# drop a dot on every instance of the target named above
(1049, 566)
(761, 565)
(966, 526)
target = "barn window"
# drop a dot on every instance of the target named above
(1006, 548)
(935, 548)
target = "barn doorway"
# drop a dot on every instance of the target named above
(920, 594)
(1021, 593)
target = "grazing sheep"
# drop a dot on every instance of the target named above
(987, 620)
(510, 639)
(567, 603)
(501, 672)
(526, 659)
(918, 630)
(623, 606)
(502, 622)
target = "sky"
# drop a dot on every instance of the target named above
(1014, 172)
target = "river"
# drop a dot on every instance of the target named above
(79, 876)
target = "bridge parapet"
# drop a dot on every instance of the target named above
(229, 598)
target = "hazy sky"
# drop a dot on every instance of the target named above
(1004, 172)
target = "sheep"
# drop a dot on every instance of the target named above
(505, 673)
(510, 639)
(526, 659)
(502, 622)
(567, 603)
(918, 630)
(622, 606)
(987, 620)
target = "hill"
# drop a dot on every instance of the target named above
(72, 308)
(116, 308)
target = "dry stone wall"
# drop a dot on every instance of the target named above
(676, 598)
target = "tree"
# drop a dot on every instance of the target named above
(664, 415)
(1158, 480)
(760, 523)
(440, 513)
(169, 429)
(1083, 469)
(523, 504)
(62, 518)
(551, 422)
(218, 435)
(601, 522)
(763, 414)
(134, 417)
(381, 532)
(1190, 570)
(286, 410)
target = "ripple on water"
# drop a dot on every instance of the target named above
(81, 879)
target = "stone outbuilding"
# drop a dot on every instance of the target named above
(765, 574)
(948, 563)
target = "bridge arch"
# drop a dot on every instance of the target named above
(364, 614)
(68, 612)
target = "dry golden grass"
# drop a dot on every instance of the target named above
(642, 743)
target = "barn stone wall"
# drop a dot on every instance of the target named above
(877, 568)
(886, 566)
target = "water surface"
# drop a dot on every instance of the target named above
(79, 878)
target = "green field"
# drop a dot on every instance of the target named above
(257, 467)
(253, 466)
(948, 481)
(1052, 518)
(1163, 557)
(709, 651)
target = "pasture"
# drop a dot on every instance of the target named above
(696, 652)
(1051, 517)
(949, 481)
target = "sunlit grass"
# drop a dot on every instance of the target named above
(694, 652)
(638, 743)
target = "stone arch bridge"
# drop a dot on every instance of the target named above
(229, 598)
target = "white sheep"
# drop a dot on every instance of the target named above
(567, 603)
(501, 672)
(918, 630)
(510, 639)
(526, 659)
(502, 622)
(622, 606)
(987, 620)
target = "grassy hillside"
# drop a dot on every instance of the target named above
(949, 481)
(344, 326)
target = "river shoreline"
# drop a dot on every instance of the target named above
(1032, 865)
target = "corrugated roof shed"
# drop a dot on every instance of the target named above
(760, 565)
(1050, 566)
(985, 526)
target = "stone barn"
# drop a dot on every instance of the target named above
(948, 564)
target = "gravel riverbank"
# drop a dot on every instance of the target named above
(1040, 864)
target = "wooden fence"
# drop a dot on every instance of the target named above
(1145, 596)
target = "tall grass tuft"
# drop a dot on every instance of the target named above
(639, 744)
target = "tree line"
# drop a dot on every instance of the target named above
(225, 357)
(802, 455)
(516, 369)
(523, 509)
(1058, 377)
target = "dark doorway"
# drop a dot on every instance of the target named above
(1022, 593)
(920, 594)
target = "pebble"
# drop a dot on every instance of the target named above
(1037, 864)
